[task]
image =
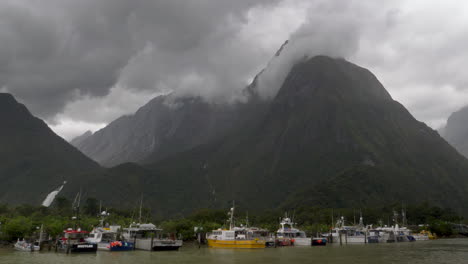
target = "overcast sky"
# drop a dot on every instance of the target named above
(81, 64)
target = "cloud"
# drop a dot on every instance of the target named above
(60, 51)
(90, 61)
(69, 128)
(327, 31)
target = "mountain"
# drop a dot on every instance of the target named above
(79, 139)
(456, 130)
(332, 136)
(34, 160)
(164, 126)
(169, 124)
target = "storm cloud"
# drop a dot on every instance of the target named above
(81, 64)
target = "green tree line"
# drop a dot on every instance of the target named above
(24, 221)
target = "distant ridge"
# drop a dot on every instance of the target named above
(456, 130)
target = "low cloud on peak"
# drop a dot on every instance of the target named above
(88, 62)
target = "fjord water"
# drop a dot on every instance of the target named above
(438, 251)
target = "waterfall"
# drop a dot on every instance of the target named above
(51, 196)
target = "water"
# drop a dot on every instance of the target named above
(437, 251)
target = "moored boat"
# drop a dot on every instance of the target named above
(106, 239)
(355, 234)
(149, 237)
(74, 241)
(288, 235)
(319, 241)
(424, 235)
(235, 237)
(22, 245)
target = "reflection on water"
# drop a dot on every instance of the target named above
(438, 251)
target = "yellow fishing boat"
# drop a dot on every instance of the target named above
(235, 237)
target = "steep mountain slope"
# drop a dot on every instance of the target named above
(79, 139)
(332, 136)
(33, 158)
(170, 124)
(456, 131)
(162, 127)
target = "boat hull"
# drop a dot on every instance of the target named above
(319, 242)
(113, 246)
(236, 243)
(302, 241)
(158, 245)
(85, 248)
(27, 248)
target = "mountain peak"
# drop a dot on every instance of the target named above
(326, 76)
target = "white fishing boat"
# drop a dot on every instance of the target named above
(106, 239)
(355, 234)
(289, 235)
(395, 234)
(149, 237)
(22, 245)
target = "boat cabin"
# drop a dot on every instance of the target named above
(141, 231)
(74, 235)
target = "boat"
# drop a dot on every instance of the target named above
(396, 233)
(149, 237)
(355, 234)
(288, 235)
(74, 241)
(424, 235)
(319, 241)
(261, 234)
(22, 245)
(236, 237)
(106, 239)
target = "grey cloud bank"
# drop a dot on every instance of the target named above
(81, 64)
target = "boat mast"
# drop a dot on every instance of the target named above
(141, 204)
(247, 220)
(76, 208)
(333, 221)
(231, 220)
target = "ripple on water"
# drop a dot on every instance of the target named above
(438, 251)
